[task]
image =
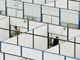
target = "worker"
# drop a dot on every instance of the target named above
(17, 32)
(56, 41)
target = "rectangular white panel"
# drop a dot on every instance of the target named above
(50, 11)
(10, 57)
(31, 53)
(32, 10)
(19, 22)
(46, 18)
(12, 40)
(12, 49)
(55, 20)
(41, 30)
(78, 39)
(40, 43)
(26, 40)
(68, 58)
(4, 23)
(61, 3)
(49, 56)
(67, 49)
(58, 31)
(74, 5)
(2, 16)
(1, 56)
(27, 0)
(14, 4)
(48, 1)
(33, 24)
(4, 34)
(68, 16)
(2, 5)
(77, 51)
(39, 1)
(19, 13)
(73, 33)
(11, 12)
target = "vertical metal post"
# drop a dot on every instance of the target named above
(23, 10)
(74, 47)
(6, 7)
(45, 2)
(67, 4)
(41, 16)
(28, 25)
(17, 40)
(54, 3)
(59, 48)
(0, 46)
(21, 50)
(4, 56)
(33, 38)
(59, 16)
(42, 55)
(67, 32)
(48, 35)
(64, 57)
(9, 28)
(32, 1)
(79, 19)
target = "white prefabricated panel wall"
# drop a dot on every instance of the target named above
(14, 8)
(59, 31)
(61, 3)
(4, 24)
(2, 5)
(68, 16)
(32, 10)
(74, 5)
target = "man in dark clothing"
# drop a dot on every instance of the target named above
(56, 41)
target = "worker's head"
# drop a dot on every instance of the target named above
(15, 27)
(57, 37)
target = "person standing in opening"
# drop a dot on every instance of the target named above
(56, 41)
(17, 32)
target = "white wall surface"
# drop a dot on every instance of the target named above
(48, 56)
(34, 54)
(58, 31)
(4, 23)
(74, 5)
(18, 22)
(70, 58)
(10, 57)
(67, 49)
(40, 43)
(1, 56)
(61, 3)
(10, 49)
(74, 33)
(27, 0)
(41, 30)
(26, 40)
(32, 10)
(4, 34)
(68, 16)
(12, 40)
(77, 51)
(33, 24)
(39, 1)
(50, 11)
(2, 5)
